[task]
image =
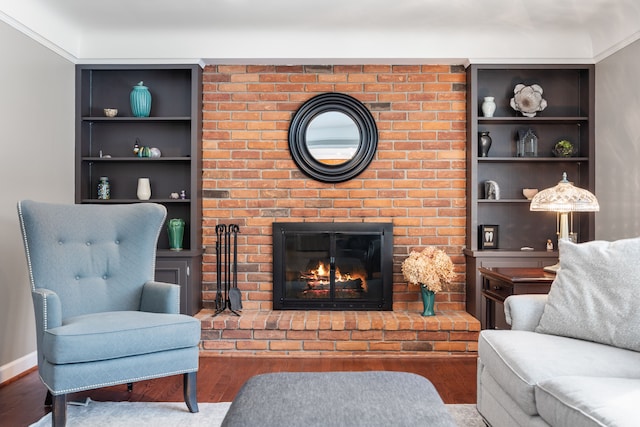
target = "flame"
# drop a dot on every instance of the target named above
(322, 271)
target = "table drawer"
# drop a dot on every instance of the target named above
(498, 290)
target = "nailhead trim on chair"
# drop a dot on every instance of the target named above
(26, 246)
(130, 380)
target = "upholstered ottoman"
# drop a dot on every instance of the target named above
(338, 399)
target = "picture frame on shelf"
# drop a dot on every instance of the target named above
(488, 236)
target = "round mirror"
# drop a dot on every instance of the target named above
(333, 137)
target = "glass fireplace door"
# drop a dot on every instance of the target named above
(327, 269)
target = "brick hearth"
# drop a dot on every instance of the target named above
(338, 333)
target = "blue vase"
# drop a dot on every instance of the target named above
(140, 100)
(428, 301)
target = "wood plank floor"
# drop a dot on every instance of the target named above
(220, 378)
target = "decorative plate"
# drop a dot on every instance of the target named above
(528, 100)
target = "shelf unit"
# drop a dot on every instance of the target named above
(104, 147)
(569, 91)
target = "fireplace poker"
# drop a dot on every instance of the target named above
(235, 298)
(227, 268)
(220, 301)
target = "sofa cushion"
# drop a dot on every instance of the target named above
(518, 360)
(595, 295)
(589, 401)
(115, 334)
(498, 408)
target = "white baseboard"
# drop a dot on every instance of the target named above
(18, 366)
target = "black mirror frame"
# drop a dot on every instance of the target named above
(349, 106)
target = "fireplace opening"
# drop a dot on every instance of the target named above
(332, 266)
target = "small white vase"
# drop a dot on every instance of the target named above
(488, 106)
(144, 189)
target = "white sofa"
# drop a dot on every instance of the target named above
(572, 358)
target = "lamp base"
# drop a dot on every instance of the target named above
(552, 268)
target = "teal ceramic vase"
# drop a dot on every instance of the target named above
(140, 100)
(428, 301)
(175, 228)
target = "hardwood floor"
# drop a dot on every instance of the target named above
(220, 378)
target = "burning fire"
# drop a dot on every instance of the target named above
(319, 276)
(322, 271)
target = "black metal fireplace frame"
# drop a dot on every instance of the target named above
(283, 229)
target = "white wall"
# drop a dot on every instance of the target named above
(36, 162)
(618, 144)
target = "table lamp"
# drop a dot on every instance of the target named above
(564, 199)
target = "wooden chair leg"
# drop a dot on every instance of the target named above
(129, 387)
(48, 400)
(190, 397)
(59, 412)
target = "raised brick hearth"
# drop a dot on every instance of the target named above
(338, 333)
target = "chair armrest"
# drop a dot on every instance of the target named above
(47, 310)
(523, 312)
(160, 297)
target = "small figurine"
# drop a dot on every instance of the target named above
(141, 151)
(144, 152)
(183, 194)
(174, 196)
(491, 190)
(549, 245)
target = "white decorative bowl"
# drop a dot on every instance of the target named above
(110, 112)
(529, 192)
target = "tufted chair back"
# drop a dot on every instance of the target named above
(96, 258)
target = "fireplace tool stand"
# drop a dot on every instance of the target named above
(227, 292)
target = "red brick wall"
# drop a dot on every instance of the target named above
(416, 180)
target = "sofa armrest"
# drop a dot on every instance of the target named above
(523, 312)
(160, 297)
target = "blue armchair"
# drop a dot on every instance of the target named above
(101, 319)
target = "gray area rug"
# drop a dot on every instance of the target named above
(153, 414)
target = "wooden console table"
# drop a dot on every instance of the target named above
(500, 282)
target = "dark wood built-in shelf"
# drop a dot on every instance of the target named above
(532, 159)
(104, 147)
(569, 91)
(532, 120)
(136, 159)
(161, 201)
(135, 119)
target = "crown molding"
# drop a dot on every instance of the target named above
(38, 38)
(616, 47)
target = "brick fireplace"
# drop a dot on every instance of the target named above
(416, 181)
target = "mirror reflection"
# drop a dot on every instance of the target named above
(332, 138)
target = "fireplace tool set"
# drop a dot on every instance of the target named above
(227, 293)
